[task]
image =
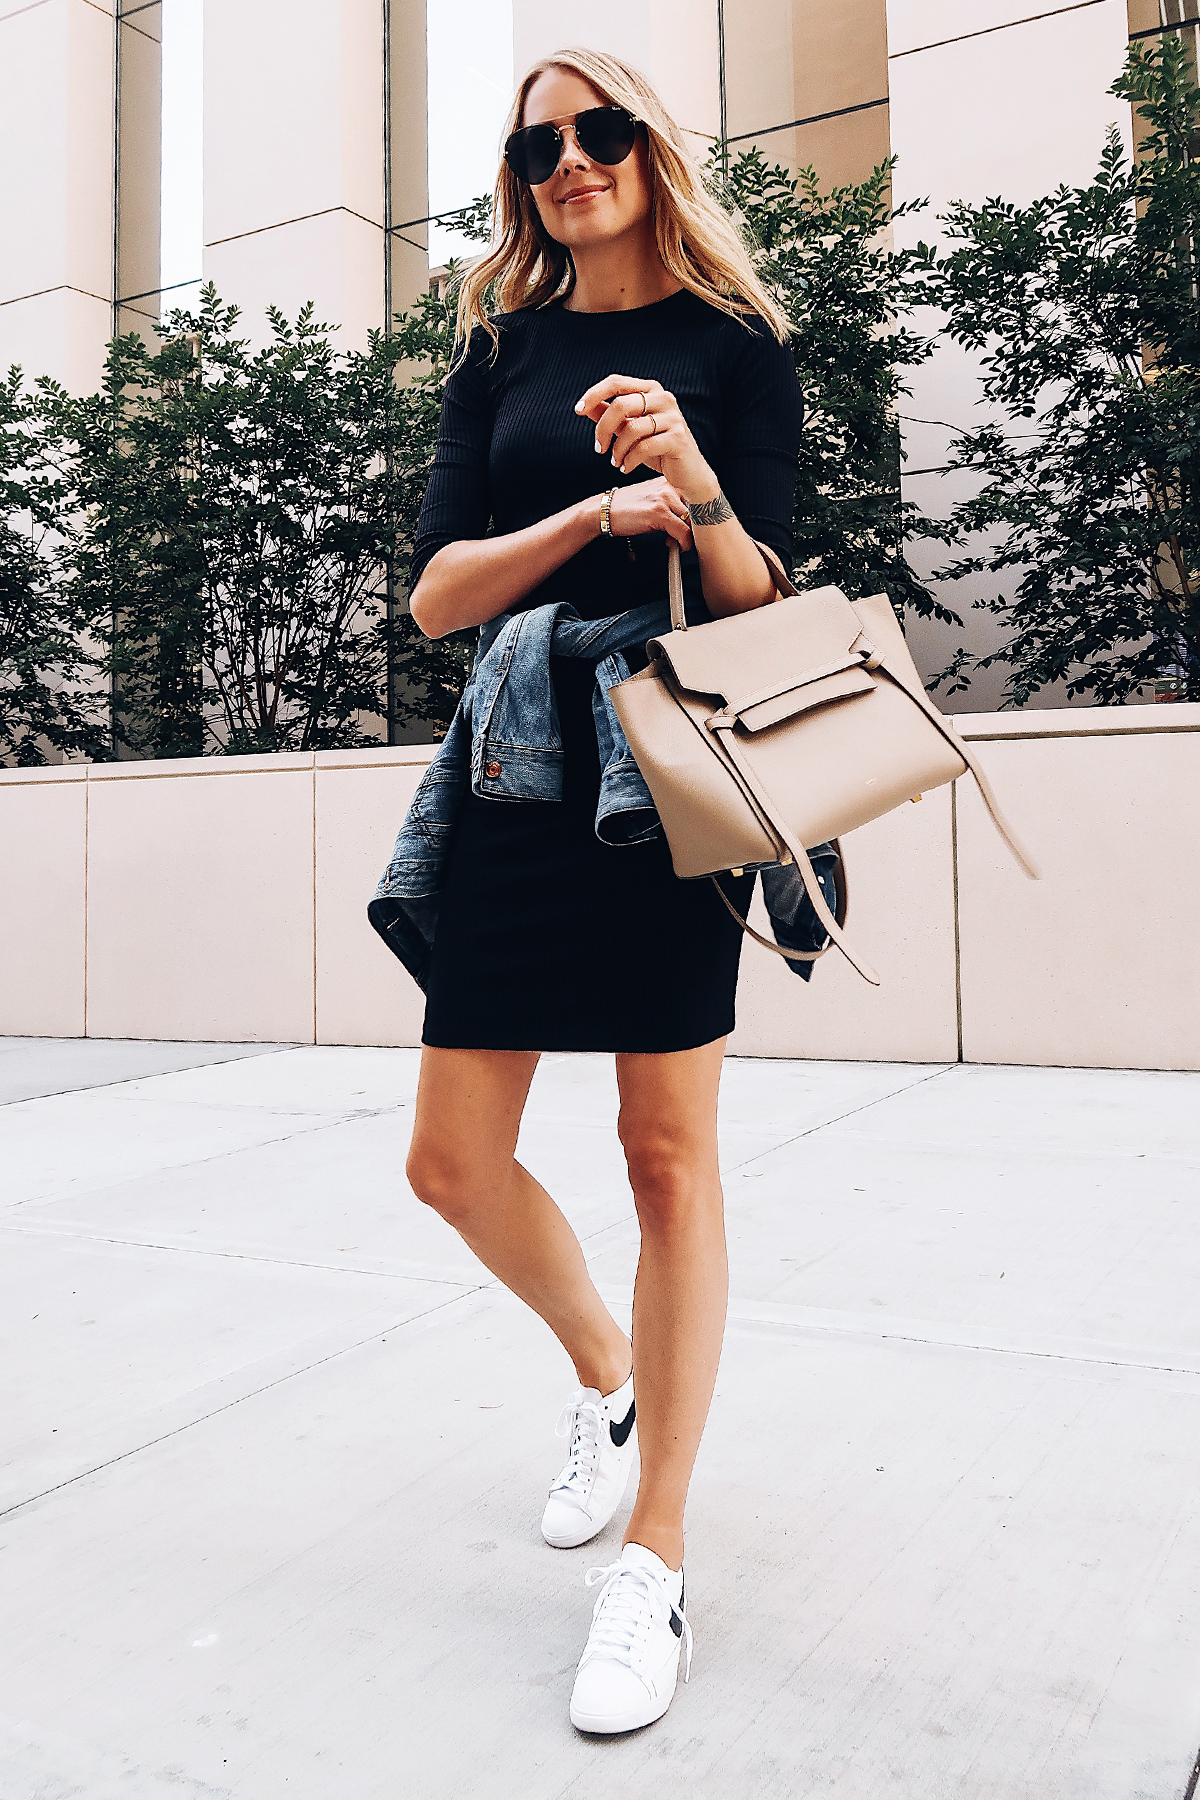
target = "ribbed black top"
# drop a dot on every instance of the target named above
(511, 449)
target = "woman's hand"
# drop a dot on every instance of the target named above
(650, 506)
(639, 424)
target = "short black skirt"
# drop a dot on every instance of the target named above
(548, 939)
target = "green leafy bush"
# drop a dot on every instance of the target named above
(1084, 307)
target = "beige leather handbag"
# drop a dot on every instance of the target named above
(768, 730)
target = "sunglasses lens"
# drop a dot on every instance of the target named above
(606, 134)
(532, 154)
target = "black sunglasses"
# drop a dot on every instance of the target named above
(605, 134)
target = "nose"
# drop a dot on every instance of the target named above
(571, 156)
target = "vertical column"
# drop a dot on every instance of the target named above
(293, 159)
(408, 142)
(138, 126)
(56, 133)
(673, 42)
(820, 63)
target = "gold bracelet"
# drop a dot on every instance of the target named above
(605, 511)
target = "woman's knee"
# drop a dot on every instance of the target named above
(671, 1181)
(441, 1179)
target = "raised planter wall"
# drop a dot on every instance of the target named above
(224, 899)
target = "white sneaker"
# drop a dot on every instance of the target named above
(627, 1673)
(589, 1489)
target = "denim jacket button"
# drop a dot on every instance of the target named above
(492, 770)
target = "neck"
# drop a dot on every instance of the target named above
(621, 274)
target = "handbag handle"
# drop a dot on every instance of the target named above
(804, 868)
(675, 580)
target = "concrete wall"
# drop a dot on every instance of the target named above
(56, 199)
(1001, 98)
(224, 899)
(293, 159)
(821, 63)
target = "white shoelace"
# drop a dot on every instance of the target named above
(626, 1607)
(582, 1421)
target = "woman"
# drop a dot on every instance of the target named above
(636, 387)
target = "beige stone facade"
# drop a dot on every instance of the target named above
(317, 151)
(223, 899)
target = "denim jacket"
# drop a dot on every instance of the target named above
(504, 742)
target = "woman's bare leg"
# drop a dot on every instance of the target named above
(462, 1162)
(668, 1128)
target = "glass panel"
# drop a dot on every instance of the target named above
(182, 203)
(470, 86)
(160, 173)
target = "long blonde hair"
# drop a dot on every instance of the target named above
(698, 243)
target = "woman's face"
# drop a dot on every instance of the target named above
(585, 202)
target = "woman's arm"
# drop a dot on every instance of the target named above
(473, 580)
(640, 424)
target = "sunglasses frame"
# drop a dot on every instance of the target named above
(572, 120)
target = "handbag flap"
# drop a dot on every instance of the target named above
(821, 690)
(778, 646)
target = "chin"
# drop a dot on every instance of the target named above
(582, 233)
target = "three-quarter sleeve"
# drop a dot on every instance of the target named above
(457, 501)
(762, 413)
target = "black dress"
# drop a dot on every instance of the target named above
(546, 938)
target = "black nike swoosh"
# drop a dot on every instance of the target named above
(620, 1432)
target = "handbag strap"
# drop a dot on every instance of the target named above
(778, 949)
(675, 581)
(804, 868)
(919, 698)
(812, 886)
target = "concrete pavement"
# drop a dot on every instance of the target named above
(274, 1446)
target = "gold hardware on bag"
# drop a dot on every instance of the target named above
(737, 872)
(915, 798)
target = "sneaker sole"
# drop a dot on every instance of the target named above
(573, 1543)
(599, 1726)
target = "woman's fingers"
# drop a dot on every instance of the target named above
(649, 447)
(651, 506)
(624, 410)
(633, 432)
(592, 404)
(680, 530)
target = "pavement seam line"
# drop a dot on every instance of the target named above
(100, 1087)
(811, 1130)
(177, 1431)
(790, 1328)
(276, 1262)
(201, 1162)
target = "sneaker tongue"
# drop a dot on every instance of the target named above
(592, 1394)
(636, 1556)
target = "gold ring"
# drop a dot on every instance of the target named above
(645, 405)
(653, 424)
